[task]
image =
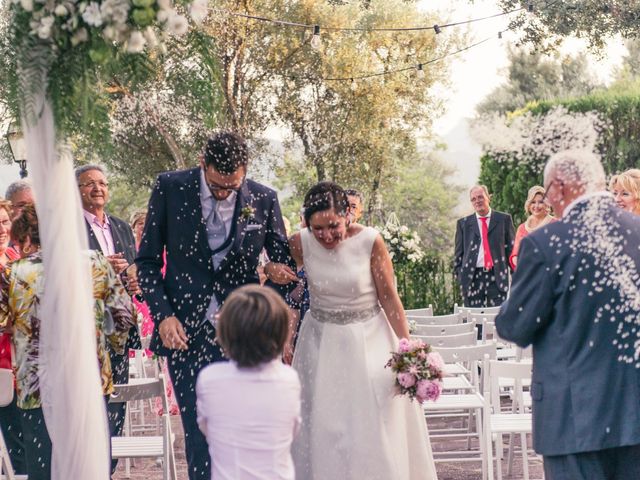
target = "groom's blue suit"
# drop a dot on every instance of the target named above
(575, 295)
(175, 225)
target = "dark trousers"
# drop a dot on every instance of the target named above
(622, 463)
(184, 367)
(37, 443)
(116, 411)
(12, 433)
(483, 290)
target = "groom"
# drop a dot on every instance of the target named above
(211, 223)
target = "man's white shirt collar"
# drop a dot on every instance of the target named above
(488, 215)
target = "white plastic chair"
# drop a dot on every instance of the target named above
(466, 311)
(141, 446)
(459, 340)
(498, 422)
(450, 329)
(466, 402)
(6, 469)
(436, 319)
(428, 311)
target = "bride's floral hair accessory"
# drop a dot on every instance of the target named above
(325, 196)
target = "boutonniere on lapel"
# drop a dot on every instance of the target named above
(247, 213)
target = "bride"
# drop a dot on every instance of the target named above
(353, 425)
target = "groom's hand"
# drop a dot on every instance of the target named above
(280, 273)
(172, 334)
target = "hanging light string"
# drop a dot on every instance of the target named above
(417, 66)
(437, 28)
(307, 26)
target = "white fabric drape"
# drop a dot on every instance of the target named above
(69, 375)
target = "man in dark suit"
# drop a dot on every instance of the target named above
(483, 244)
(212, 223)
(114, 238)
(575, 297)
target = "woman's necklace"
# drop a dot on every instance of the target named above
(542, 223)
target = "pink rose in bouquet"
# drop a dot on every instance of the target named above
(406, 380)
(418, 370)
(435, 360)
(428, 390)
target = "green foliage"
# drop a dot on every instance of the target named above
(125, 200)
(430, 281)
(534, 76)
(510, 175)
(423, 199)
(595, 20)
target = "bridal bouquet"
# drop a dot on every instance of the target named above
(418, 370)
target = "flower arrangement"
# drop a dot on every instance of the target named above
(413, 326)
(418, 370)
(403, 243)
(102, 24)
(76, 53)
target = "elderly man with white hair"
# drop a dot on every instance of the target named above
(575, 298)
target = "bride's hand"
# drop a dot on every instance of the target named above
(280, 273)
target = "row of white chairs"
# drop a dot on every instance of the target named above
(483, 376)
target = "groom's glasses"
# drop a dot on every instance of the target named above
(214, 187)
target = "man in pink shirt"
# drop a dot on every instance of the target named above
(114, 238)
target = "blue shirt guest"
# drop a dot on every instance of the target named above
(213, 223)
(575, 297)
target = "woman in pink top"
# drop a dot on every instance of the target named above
(539, 216)
(138, 220)
(249, 408)
(9, 415)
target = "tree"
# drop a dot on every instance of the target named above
(550, 21)
(353, 131)
(535, 76)
(424, 200)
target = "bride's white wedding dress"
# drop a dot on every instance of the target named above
(353, 425)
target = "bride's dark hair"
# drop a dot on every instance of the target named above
(324, 196)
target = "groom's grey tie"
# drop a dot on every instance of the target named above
(216, 229)
(216, 235)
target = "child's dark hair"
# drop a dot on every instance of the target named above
(324, 196)
(253, 325)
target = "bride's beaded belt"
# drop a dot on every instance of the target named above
(344, 317)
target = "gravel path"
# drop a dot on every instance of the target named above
(148, 469)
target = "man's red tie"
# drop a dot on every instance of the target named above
(488, 261)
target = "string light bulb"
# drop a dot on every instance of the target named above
(316, 43)
(353, 86)
(437, 29)
(420, 71)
